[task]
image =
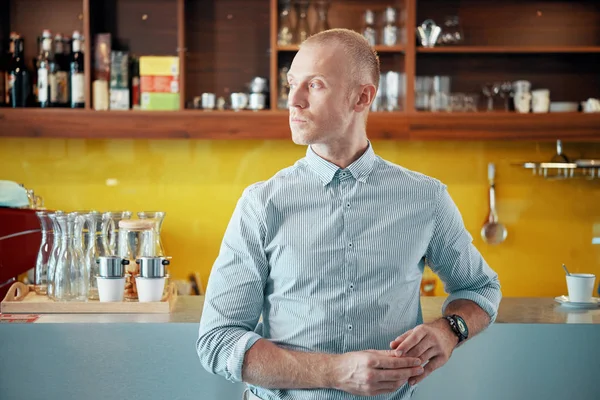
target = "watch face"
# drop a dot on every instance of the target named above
(462, 327)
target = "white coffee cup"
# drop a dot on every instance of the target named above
(581, 287)
(522, 102)
(521, 86)
(540, 100)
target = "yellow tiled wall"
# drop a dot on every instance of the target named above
(198, 184)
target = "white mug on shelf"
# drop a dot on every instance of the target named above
(540, 102)
(521, 86)
(522, 102)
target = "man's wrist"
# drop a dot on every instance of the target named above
(445, 325)
(330, 374)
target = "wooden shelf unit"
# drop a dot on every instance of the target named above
(222, 44)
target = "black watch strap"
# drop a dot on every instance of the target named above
(459, 327)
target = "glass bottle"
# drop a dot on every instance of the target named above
(369, 30)
(54, 253)
(41, 265)
(452, 32)
(158, 218)
(93, 248)
(322, 7)
(285, 33)
(45, 70)
(70, 278)
(19, 78)
(302, 28)
(389, 34)
(110, 230)
(76, 72)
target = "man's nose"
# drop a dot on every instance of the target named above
(298, 98)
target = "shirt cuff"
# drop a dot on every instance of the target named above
(486, 304)
(235, 362)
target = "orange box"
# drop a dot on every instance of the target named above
(159, 84)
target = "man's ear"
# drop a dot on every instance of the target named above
(365, 97)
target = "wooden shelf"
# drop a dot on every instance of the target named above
(509, 49)
(378, 48)
(273, 125)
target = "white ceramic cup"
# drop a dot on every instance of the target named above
(540, 100)
(522, 102)
(149, 289)
(110, 289)
(581, 287)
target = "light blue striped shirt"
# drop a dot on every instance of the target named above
(332, 260)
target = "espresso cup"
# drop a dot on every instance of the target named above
(581, 287)
(239, 101)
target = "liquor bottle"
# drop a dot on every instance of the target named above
(43, 73)
(77, 72)
(59, 76)
(5, 89)
(3, 76)
(19, 77)
(36, 66)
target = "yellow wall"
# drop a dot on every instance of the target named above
(198, 183)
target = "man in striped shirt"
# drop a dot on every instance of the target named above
(330, 253)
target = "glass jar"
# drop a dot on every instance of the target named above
(157, 218)
(389, 33)
(369, 28)
(285, 33)
(44, 252)
(452, 31)
(302, 28)
(71, 277)
(136, 239)
(110, 229)
(322, 8)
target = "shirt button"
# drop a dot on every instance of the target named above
(350, 244)
(349, 327)
(351, 286)
(348, 205)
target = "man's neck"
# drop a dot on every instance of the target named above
(342, 153)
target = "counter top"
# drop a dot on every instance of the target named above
(513, 310)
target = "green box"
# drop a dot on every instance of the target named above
(160, 101)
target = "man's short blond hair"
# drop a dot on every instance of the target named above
(365, 66)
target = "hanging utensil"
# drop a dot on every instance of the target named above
(492, 231)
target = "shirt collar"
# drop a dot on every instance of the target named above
(360, 169)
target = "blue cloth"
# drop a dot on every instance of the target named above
(13, 195)
(332, 260)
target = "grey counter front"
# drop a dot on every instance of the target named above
(536, 350)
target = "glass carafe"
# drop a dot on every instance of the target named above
(41, 264)
(285, 32)
(322, 7)
(54, 252)
(71, 276)
(157, 217)
(302, 28)
(110, 230)
(94, 248)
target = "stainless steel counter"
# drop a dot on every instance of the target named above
(513, 310)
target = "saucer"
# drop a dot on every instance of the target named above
(564, 300)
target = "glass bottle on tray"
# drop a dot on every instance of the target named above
(71, 277)
(54, 252)
(44, 252)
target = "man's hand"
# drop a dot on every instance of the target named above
(373, 372)
(433, 343)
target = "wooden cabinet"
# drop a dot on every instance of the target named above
(223, 44)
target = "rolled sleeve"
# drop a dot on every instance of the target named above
(461, 267)
(234, 296)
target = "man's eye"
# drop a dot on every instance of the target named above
(315, 85)
(290, 86)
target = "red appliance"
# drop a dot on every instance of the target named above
(20, 239)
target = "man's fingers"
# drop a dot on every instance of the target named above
(411, 340)
(428, 355)
(419, 349)
(431, 366)
(394, 343)
(380, 361)
(396, 375)
(385, 353)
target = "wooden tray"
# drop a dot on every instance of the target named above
(22, 299)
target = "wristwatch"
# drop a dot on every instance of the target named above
(459, 326)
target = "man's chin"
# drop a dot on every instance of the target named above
(301, 138)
